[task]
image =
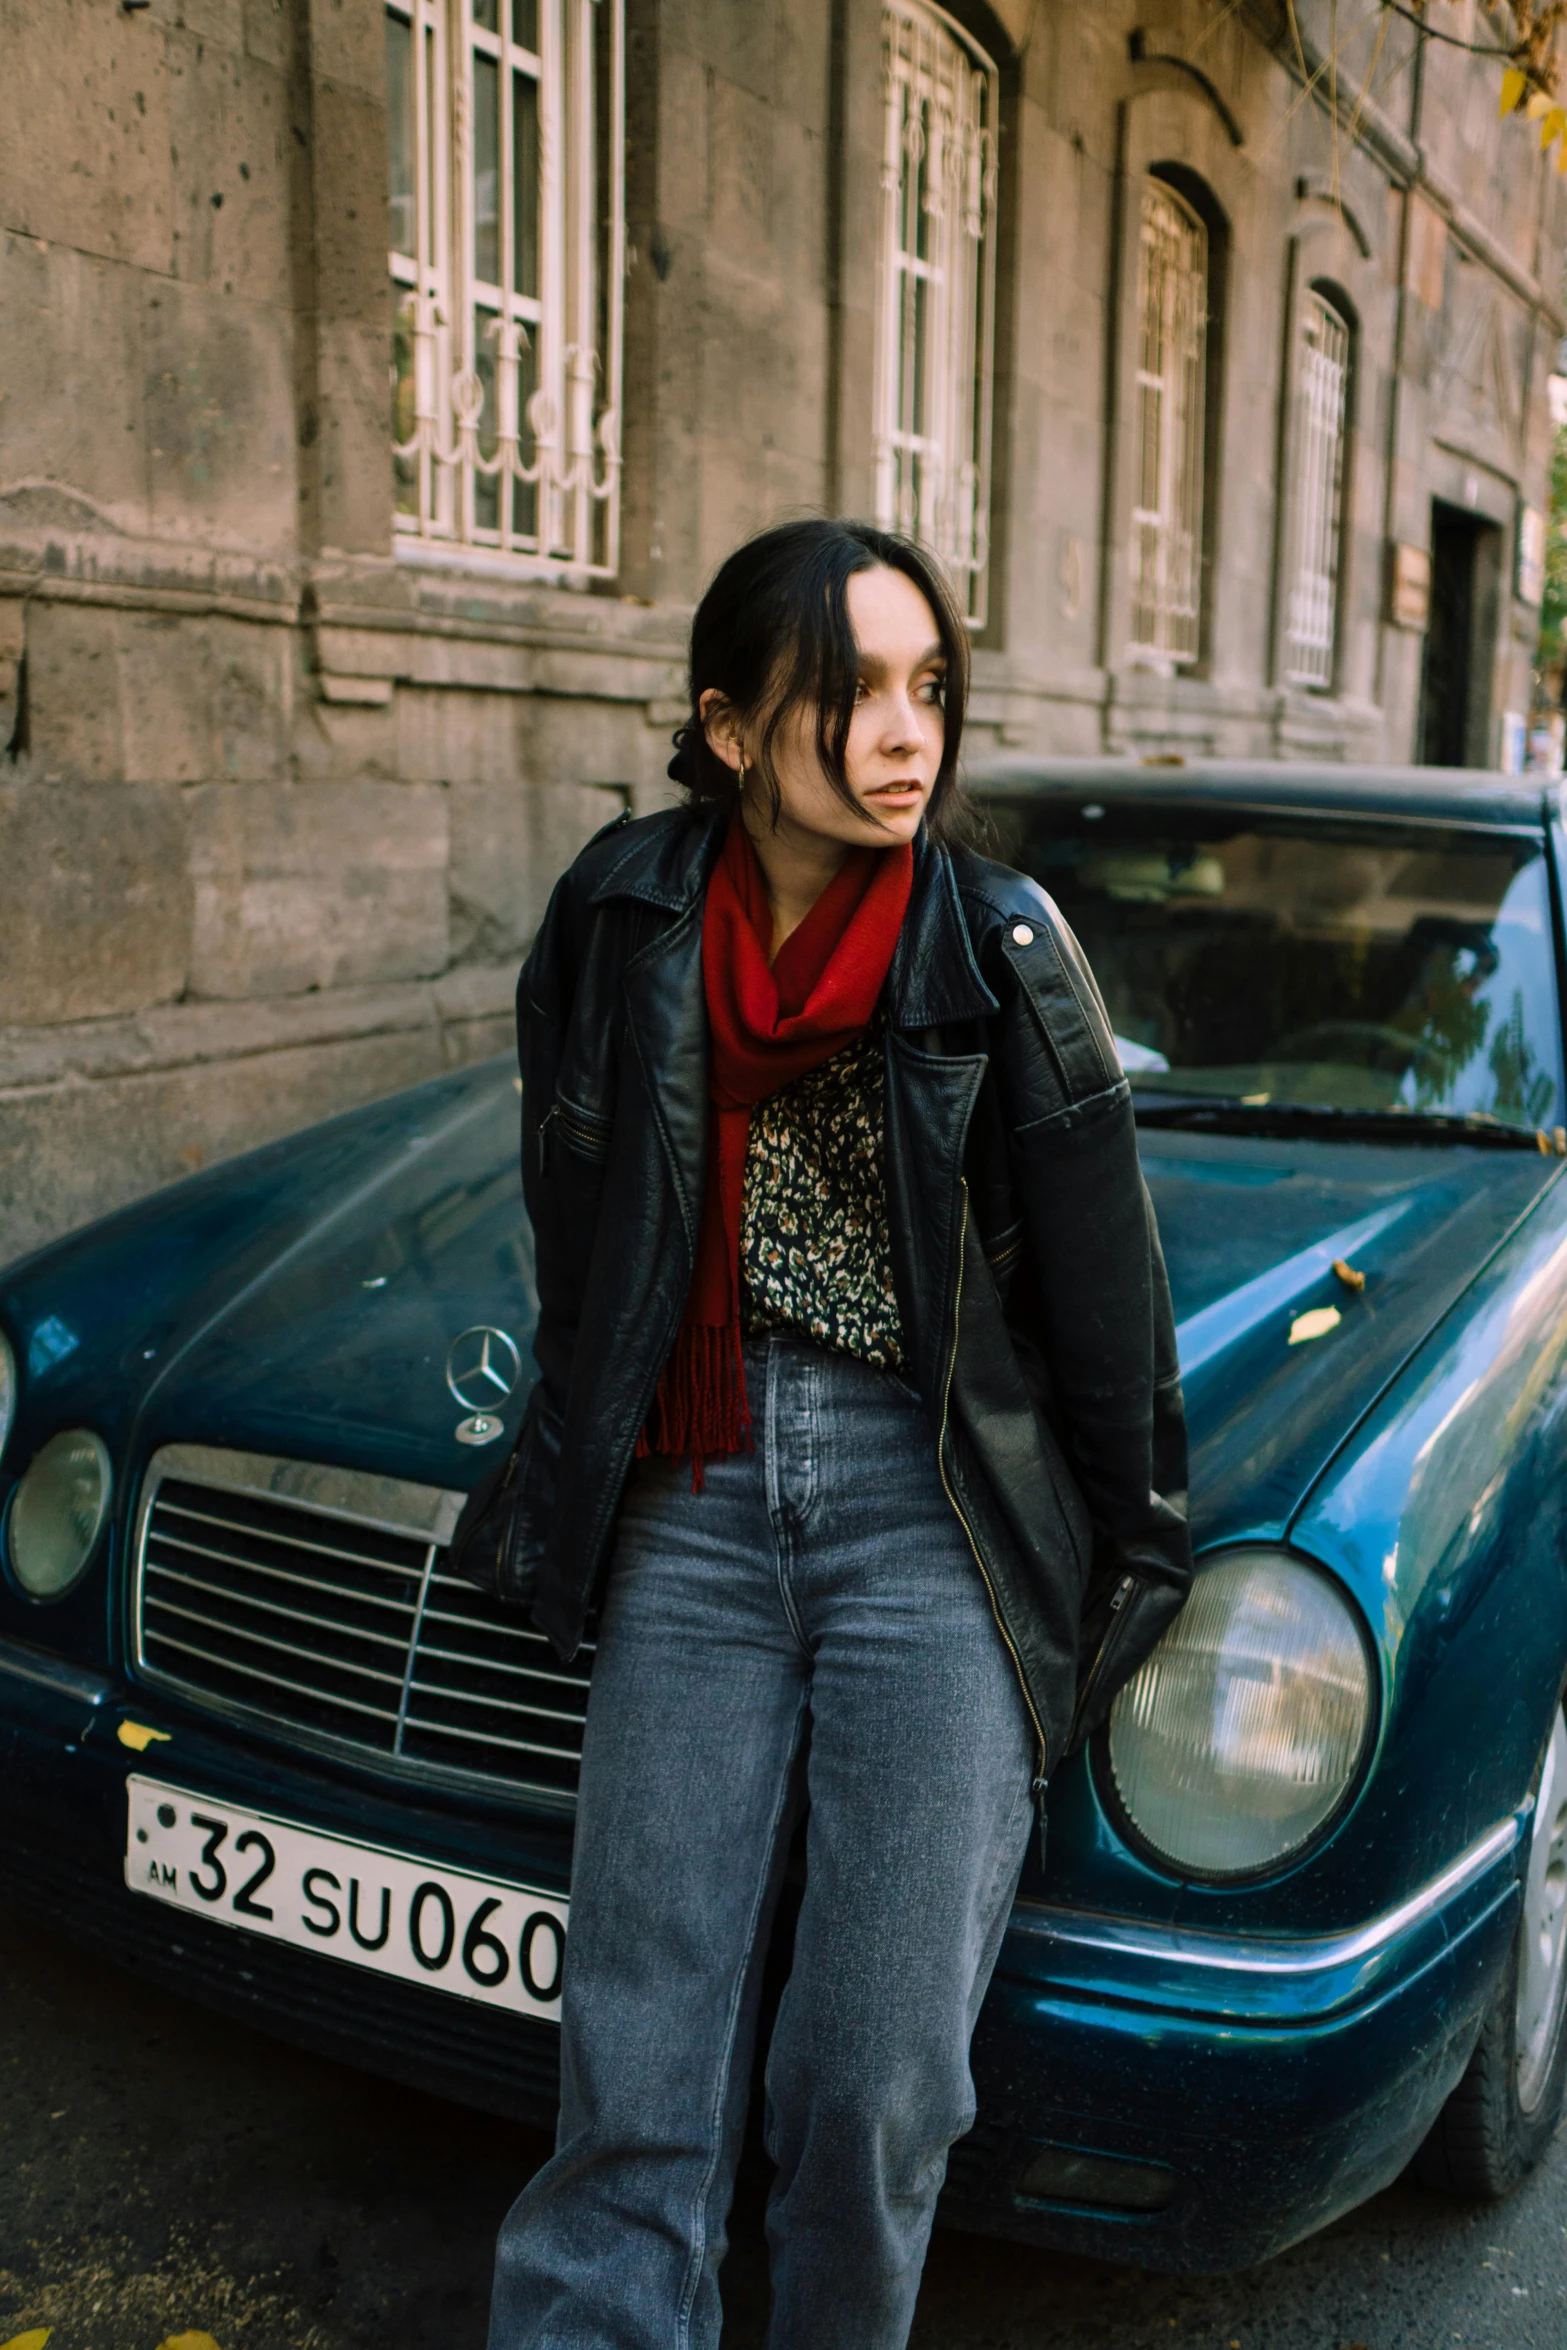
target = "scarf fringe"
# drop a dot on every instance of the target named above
(701, 1408)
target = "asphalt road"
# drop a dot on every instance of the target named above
(163, 2171)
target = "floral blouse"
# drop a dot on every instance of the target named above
(814, 1253)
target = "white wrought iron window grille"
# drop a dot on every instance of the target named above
(1169, 422)
(1322, 389)
(507, 208)
(936, 277)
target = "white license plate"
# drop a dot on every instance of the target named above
(503, 1944)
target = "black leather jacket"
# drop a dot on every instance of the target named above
(1036, 1314)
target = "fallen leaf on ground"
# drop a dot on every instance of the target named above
(188, 2342)
(33, 2341)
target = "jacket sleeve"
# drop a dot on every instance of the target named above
(545, 993)
(1106, 1328)
(499, 1537)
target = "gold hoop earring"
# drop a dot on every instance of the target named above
(740, 774)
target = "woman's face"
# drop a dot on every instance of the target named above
(896, 736)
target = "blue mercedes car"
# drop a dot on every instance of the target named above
(1301, 1922)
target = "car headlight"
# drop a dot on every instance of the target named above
(1244, 1730)
(7, 1390)
(57, 1513)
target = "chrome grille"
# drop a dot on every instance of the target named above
(482, 1689)
(319, 1602)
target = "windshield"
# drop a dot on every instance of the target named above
(1333, 965)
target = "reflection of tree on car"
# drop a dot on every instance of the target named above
(1271, 961)
(1443, 1021)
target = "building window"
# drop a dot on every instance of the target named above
(1167, 510)
(1322, 390)
(936, 292)
(508, 261)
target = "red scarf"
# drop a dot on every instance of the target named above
(768, 1025)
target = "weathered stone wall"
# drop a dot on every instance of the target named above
(229, 905)
(278, 813)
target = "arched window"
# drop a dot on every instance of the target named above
(936, 274)
(508, 255)
(1316, 522)
(1170, 420)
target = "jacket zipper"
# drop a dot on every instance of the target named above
(941, 1462)
(587, 1138)
(505, 1555)
(1118, 1599)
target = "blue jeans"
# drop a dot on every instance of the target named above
(811, 1628)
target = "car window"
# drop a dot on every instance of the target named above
(1344, 966)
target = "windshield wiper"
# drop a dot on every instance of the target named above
(1227, 1115)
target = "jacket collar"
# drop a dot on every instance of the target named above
(665, 861)
(934, 977)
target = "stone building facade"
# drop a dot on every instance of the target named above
(379, 385)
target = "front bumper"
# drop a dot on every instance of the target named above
(1275, 2084)
(1263, 2088)
(62, 1850)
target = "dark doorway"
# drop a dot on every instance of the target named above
(1455, 696)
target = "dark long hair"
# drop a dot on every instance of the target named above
(773, 635)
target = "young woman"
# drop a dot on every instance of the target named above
(858, 1408)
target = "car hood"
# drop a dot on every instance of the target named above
(1280, 1355)
(304, 1300)
(337, 1349)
